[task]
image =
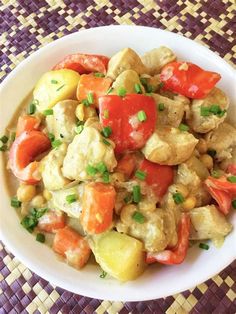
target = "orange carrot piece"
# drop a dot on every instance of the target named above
(97, 207)
(89, 83)
(27, 123)
(127, 165)
(52, 221)
(70, 244)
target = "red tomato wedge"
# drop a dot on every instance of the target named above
(188, 79)
(24, 150)
(97, 86)
(178, 254)
(121, 115)
(70, 244)
(52, 221)
(27, 123)
(159, 177)
(222, 191)
(126, 165)
(97, 207)
(84, 63)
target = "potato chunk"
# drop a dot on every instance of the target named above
(156, 58)
(127, 80)
(204, 124)
(119, 255)
(55, 86)
(126, 59)
(87, 148)
(169, 146)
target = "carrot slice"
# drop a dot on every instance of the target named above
(97, 207)
(97, 86)
(72, 246)
(27, 123)
(126, 165)
(52, 221)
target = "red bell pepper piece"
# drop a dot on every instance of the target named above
(159, 177)
(232, 169)
(188, 79)
(52, 221)
(84, 63)
(121, 115)
(27, 123)
(178, 254)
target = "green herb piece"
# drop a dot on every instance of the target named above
(142, 116)
(29, 223)
(136, 194)
(4, 139)
(98, 74)
(40, 237)
(48, 112)
(183, 127)
(109, 90)
(204, 246)
(138, 217)
(32, 107)
(204, 111)
(106, 177)
(141, 175)
(149, 88)
(54, 81)
(90, 98)
(71, 198)
(106, 142)
(161, 85)
(103, 274)
(79, 129)
(161, 107)
(178, 198)
(122, 91)
(3, 148)
(234, 204)
(38, 213)
(137, 88)
(215, 109)
(128, 199)
(106, 113)
(91, 171)
(106, 131)
(215, 174)
(221, 114)
(143, 80)
(56, 143)
(15, 202)
(59, 88)
(211, 152)
(85, 102)
(231, 179)
(101, 167)
(51, 137)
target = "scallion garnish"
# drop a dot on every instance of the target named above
(59, 88)
(234, 204)
(85, 102)
(3, 148)
(204, 246)
(90, 98)
(56, 143)
(101, 167)
(178, 198)
(204, 111)
(48, 112)
(40, 237)
(142, 116)
(71, 198)
(51, 137)
(30, 221)
(137, 88)
(106, 113)
(106, 177)
(54, 81)
(231, 179)
(98, 74)
(141, 175)
(149, 88)
(215, 109)
(183, 127)
(109, 90)
(128, 199)
(161, 107)
(15, 202)
(122, 91)
(32, 107)
(106, 131)
(91, 171)
(138, 217)
(79, 128)
(103, 274)
(4, 139)
(136, 194)
(106, 142)
(143, 80)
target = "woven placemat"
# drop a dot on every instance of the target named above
(27, 25)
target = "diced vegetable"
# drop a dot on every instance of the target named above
(97, 207)
(232, 169)
(52, 221)
(119, 255)
(126, 165)
(40, 237)
(72, 246)
(27, 123)
(188, 79)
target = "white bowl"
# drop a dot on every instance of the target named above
(158, 281)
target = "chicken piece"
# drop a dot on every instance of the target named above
(208, 223)
(169, 146)
(127, 80)
(173, 112)
(126, 59)
(157, 58)
(204, 124)
(87, 148)
(223, 139)
(50, 168)
(63, 121)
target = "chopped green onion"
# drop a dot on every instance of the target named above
(178, 198)
(136, 194)
(149, 88)
(90, 98)
(138, 217)
(56, 143)
(128, 199)
(54, 81)
(143, 80)
(215, 109)
(161, 107)
(32, 107)
(122, 91)
(38, 213)
(204, 111)
(234, 204)
(142, 116)
(215, 174)
(161, 85)
(59, 88)
(103, 274)
(101, 167)
(106, 177)
(71, 198)
(183, 127)
(204, 246)
(3, 148)
(79, 129)
(211, 152)
(106, 131)
(4, 139)
(40, 237)
(232, 179)
(15, 202)
(85, 102)
(106, 142)
(106, 113)
(48, 112)
(109, 90)
(137, 88)
(140, 175)
(91, 170)
(29, 222)
(98, 74)
(221, 114)
(51, 137)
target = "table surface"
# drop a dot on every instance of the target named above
(27, 25)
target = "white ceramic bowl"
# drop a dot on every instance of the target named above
(158, 281)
